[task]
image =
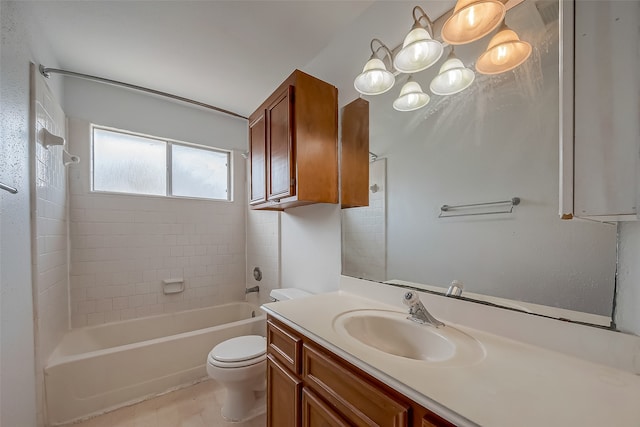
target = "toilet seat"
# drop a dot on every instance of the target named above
(239, 351)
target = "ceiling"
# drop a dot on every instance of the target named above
(231, 54)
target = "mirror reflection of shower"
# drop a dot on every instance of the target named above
(364, 228)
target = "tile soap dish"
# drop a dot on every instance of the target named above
(172, 286)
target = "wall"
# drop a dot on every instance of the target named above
(310, 238)
(627, 315)
(21, 42)
(123, 246)
(121, 108)
(49, 228)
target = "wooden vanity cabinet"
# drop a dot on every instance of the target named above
(293, 145)
(309, 386)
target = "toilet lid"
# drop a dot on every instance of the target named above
(240, 348)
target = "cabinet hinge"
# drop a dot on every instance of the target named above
(293, 182)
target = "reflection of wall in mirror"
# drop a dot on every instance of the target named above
(364, 231)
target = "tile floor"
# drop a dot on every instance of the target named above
(194, 406)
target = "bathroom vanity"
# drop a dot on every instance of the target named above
(344, 359)
(309, 385)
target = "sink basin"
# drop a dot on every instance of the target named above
(390, 332)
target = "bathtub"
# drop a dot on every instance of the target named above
(99, 368)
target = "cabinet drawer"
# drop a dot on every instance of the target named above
(284, 345)
(435, 421)
(360, 402)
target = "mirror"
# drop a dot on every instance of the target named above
(494, 141)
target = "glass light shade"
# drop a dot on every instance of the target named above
(411, 97)
(374, 79)
(472, 20)
(505, 52)
(419, 52)
(453, 78)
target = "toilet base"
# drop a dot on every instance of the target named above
(240, 407)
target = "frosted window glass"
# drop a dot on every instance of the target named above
(199, 173)
(126, 163)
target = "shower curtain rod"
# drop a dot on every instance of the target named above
(47, 71)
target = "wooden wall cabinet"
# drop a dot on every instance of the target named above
(600, 110)
(309, 386)
(293, 145)
(354, 155)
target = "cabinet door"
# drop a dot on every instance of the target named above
(283, 396)
(316, 413)
(258, 159)
(281, 145)
(607, 128)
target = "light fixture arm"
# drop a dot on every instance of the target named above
(417, 19)
(374, 52)
(451, 53)
(503, 26)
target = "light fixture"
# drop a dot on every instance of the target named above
(505, 52)
(411, 97)
(419, 50)
(453, 77)
(472, 20)
(375, 78)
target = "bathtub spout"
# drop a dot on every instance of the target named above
(254, 289)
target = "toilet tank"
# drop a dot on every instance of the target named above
(287, 293)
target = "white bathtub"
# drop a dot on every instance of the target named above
(98, 368)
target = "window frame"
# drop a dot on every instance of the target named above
(168, 169)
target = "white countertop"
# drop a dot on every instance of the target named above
(515, 384)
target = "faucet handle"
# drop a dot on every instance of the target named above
(410, 298)
(455, 289)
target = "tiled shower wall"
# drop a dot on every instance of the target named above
(48, 230)
(51, 281)
(364, 230)
(263, 251)
(123, 246)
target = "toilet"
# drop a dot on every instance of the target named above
(239, 364)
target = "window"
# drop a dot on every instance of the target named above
(127, 163)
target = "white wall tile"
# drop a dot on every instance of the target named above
(124, 246)
(49, 233)
(263, 251)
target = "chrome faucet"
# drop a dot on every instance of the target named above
(250, 290)
(417, 311)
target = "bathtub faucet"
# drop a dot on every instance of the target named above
(256, 288)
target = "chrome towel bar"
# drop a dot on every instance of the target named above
(11, 190)
(445, 210)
